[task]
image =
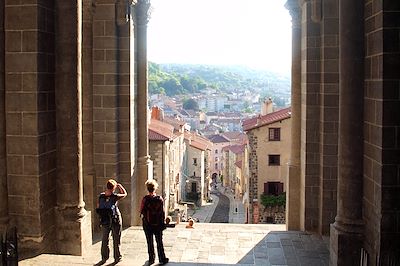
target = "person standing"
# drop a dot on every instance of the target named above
(111, 219)
(153, 215)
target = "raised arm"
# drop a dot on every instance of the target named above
(122, 191)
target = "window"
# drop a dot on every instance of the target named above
(216, 159)
(274, 134)
(194, 187)
(194, 161)
(222, 166)
(216, 166)
(273, 188)
(216, 151)
(274, 159)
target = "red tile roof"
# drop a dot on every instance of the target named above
(259, 121)
(157, 127)
(156, 136)
(197, 141)
(217, 139)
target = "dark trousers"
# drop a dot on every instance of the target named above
(115, 229)
(150, 244)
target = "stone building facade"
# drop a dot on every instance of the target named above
(69, 84)
(345, 127)
(166, 150)
(270, 143)
(73, 101)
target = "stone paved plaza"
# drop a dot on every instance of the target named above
(211, 244)
(220, 244)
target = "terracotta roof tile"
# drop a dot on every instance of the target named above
(156, 136)
(162, 128)
(259, 121)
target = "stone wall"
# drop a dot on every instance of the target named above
(68, 97)
(329, 113)
(253, 173)
(310, 121)
(381, 200)
(30, 121)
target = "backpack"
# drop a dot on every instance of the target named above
(153, 212)
(107, 209)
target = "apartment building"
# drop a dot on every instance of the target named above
(269, 143)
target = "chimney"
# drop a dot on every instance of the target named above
(157, 113)
(267, 106)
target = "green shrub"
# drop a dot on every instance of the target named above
(272, 200)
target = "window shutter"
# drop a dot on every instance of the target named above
(280, 188)
(266, 190)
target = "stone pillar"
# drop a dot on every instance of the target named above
(329, 100)
(310, 119)
(89, 194)
(347, 231)
(144, 164)
(74, 223)
(3, 159)
(293, 182)
(126, 120)
(30, 122)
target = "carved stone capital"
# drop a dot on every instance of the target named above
(123, 14)
(142, 11)
(295, 12)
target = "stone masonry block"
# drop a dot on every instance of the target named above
(31, 165)
(21, 17)
(13, 82)
(14, 123)
(105, 114)
(21, 102)
(109, 102)
(24, 145)
(29, 81)
(29, 41)
(98, 28)
(13, 41)
(105, 67)
(15, 164)
(111, 126)
(110, 28)
(99, 126)
(22, 185)
(111, 148)
(111, 169)
(105, 90)
(111, 79)
(99, 55)
(111, 55)
(105, 12)
(105, 42)
(21, 62)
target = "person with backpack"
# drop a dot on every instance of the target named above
(153, 215)
(110, 219)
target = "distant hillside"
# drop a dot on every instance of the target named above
(175, 79)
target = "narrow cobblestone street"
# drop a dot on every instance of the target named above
(221, 213)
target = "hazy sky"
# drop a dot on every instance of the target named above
(255, 33)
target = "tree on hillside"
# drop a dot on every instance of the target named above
(190, 104)
(172, 86)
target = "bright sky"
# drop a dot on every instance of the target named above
(256, 33)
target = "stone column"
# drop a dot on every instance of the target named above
(3, 160)
(74, 223)
(346, 232)
(293, 182)
(87, 107)
(144, 165)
